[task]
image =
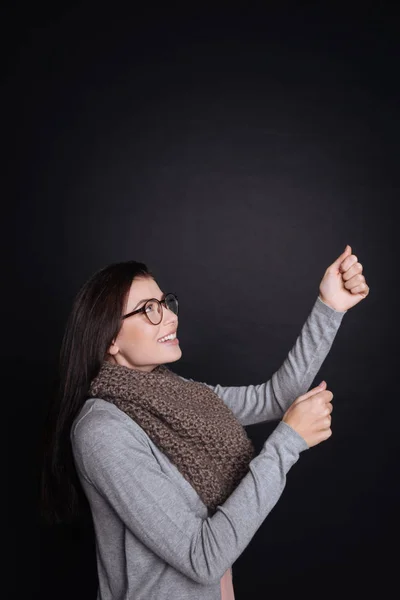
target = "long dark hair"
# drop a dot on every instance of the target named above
(94, 321)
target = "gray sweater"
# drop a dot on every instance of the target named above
(154, 538)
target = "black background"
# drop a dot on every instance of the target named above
(236, 153)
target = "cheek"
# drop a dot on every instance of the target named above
(139, 335)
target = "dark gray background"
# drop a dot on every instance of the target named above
(236, 154)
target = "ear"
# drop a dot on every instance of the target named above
(113, 349)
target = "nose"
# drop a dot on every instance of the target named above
(169, 316)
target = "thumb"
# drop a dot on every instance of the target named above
(312, 392)
(335, 265)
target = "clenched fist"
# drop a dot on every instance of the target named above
(343, 284)
(310, 415)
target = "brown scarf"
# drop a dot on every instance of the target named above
(187, 421)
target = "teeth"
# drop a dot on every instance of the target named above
(171, 336)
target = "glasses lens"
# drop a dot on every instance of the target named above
(171, 302)
(153, 311)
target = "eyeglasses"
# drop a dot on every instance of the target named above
(153, 308)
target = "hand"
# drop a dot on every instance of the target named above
(343, 284)
(310, 415)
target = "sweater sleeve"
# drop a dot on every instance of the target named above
(119, 463)
(269, 401)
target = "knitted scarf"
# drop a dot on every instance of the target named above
(189, 423)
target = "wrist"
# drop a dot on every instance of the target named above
(331, 305)
(325, 301)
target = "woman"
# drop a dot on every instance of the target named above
(168, 472)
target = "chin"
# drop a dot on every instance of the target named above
(177, 356)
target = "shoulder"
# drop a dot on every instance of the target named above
(100, 423)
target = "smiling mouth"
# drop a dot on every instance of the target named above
(167, 338)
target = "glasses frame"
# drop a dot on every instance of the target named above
(160, 302)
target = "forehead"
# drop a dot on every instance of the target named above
(143, 288)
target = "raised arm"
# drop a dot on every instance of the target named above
(342, 287)
(269, 401)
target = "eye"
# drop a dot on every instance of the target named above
(149, 307)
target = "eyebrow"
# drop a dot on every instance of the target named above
(145, 300)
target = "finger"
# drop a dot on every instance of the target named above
(348, 262)
(354, 281)
(323, 423)
(336, 264)
(361, 289)
(326, 397)
(355, 269)
(329, 408)
(315, 390)
(320, 401)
